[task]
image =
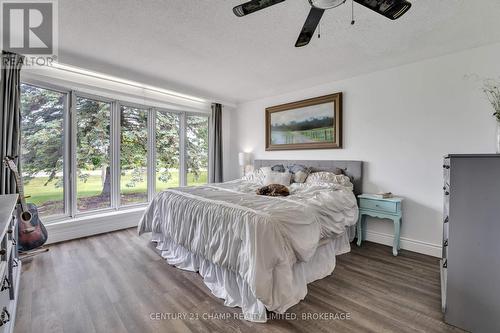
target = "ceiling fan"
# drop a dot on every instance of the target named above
(392, 9)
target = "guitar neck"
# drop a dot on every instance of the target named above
(20, 188)
(19, 183)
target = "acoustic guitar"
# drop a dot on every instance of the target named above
(31, 231)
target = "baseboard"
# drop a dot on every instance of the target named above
(93, 225)
(406, 243)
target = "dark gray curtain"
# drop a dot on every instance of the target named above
(10, 119)
(215, 145)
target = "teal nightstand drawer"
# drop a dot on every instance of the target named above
(386, 206)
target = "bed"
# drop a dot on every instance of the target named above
(257, 252)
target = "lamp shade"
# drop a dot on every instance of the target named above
(243, 159)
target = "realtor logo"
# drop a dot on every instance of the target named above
(29, 27)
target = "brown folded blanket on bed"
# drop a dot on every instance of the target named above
(274, 190)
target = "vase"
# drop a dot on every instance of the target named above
(498, 137)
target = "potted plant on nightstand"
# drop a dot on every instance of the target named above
(492, 91)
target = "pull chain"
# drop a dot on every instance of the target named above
(352, 13)
(319, 31)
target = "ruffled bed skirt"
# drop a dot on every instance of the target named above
(235, 291)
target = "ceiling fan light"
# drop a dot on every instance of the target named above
(326, 4)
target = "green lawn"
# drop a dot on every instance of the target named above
(41, 193)
(324, 134)
(319, 134)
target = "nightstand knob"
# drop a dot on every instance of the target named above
(446, 193)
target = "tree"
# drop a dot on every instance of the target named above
(196, 144)
(133, 143)
(93, 140)
(42, 125)
(167, 145)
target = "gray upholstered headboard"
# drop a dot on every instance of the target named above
(353, 169)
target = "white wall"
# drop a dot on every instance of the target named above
(400, 122)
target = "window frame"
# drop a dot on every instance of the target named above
(70, 148)
(66, 146)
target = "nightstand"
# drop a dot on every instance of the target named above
(389, 208)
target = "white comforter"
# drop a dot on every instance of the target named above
(258, 237)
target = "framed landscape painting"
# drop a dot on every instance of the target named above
(314, 123)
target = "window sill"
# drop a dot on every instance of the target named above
(89, 225)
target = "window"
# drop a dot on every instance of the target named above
(93, 154)
(84, 153)
(43, 162)
(197, 150)
(167, 150)
(133, 155)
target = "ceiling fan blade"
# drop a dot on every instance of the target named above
(312, 22)
(253, 6)
(392, 9)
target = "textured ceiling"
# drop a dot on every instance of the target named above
(201, 47)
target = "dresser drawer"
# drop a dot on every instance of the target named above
(385, 206)
(5, 301)
(8, 252)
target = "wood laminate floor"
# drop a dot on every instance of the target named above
(116, 282)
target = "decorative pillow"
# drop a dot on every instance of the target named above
(300, 172)
(278, 168)
(282, 178)
(297, 167)
(337, 171)
(274, 190)
(300, 176)
(328, 177)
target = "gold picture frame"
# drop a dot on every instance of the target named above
(314, 123)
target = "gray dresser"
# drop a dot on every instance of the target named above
(470, 268)
(10, 265)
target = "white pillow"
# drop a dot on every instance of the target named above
(266, 170)
(282, 178)
(256, 176)
(328, 177)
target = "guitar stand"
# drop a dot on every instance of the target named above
(29, 254)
